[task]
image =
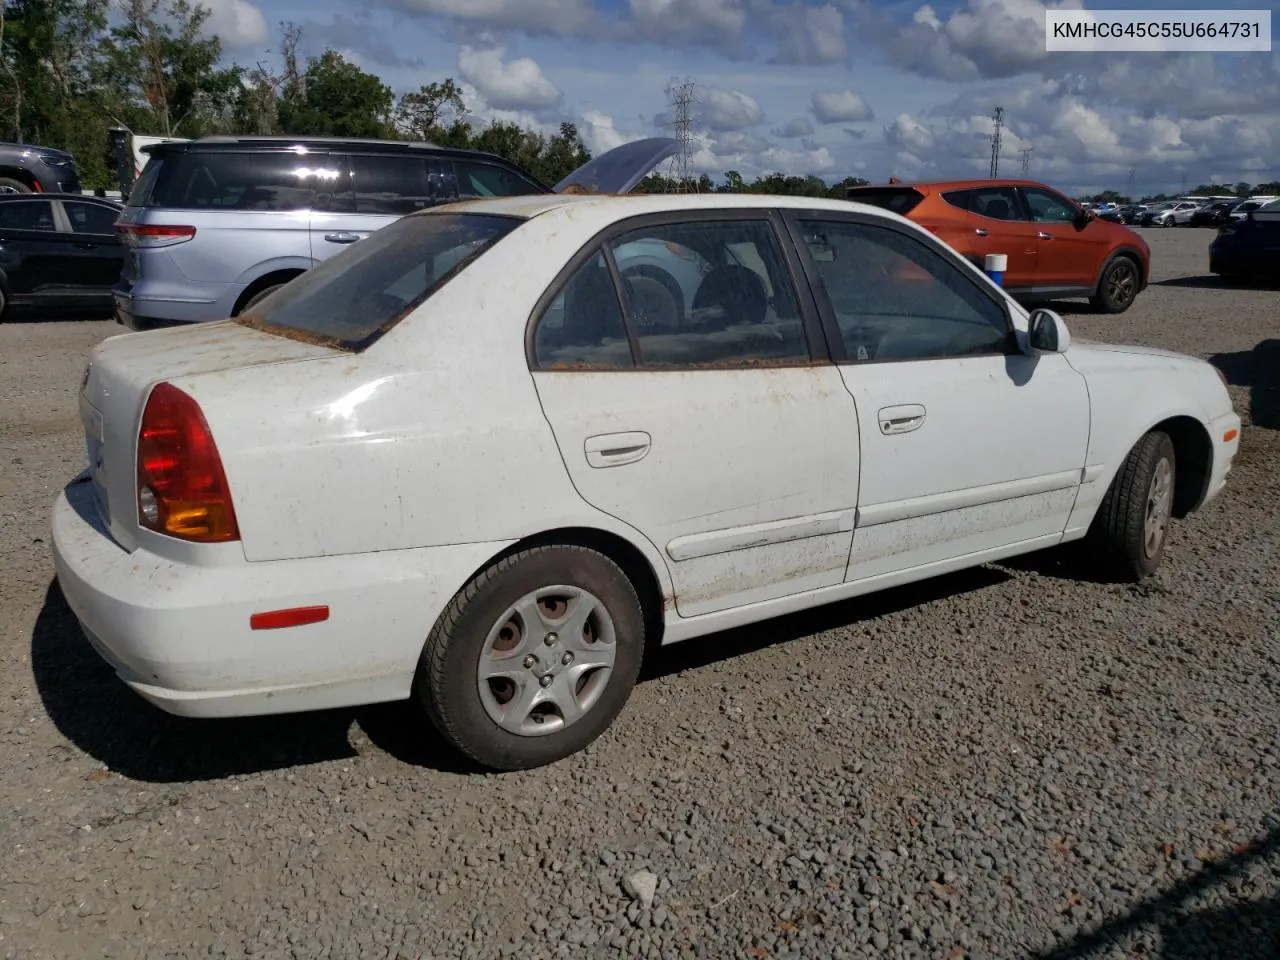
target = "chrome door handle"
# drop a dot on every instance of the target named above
(901, 419)
(980, 232)
(616, 449)
(342, 237)
(1044, 236)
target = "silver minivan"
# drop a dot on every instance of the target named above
(214, 225)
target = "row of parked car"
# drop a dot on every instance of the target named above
(1190, 212)
(214, 226)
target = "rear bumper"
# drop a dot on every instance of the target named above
(178, 634)
(142, 306)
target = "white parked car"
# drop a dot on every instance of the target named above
(448, 464)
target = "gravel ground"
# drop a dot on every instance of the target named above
(1010, 762)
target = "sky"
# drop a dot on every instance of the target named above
(835, 88)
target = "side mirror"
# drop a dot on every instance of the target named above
(1082, 219)
(1047, 333)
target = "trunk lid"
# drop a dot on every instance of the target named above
(620, 169)
(118, 379)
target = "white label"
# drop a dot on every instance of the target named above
(1128, 31)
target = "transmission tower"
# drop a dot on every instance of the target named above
(1025, 160)
(995, 142)
(680, 100)
(1133, 184)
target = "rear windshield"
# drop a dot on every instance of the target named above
(351, 299)
(901, 201)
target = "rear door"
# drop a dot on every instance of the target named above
(718, 430)
(96, 253)
(34, 254)
(1000, 225)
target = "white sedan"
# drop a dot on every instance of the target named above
(457, 464)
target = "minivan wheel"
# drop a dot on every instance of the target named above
(10, 185)
(1130, 529)
(534, 658)
(260, 296)
(1118, 287)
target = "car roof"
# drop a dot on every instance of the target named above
(952, 184)
(50, 195)
(220, 142)
(638, 204)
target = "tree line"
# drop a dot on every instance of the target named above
(67, 75)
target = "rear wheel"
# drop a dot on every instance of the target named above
(260, 296)
(1118, 287)
(10, 185)
(534, 658)
(1132, 524)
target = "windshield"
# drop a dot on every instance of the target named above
(351, 299)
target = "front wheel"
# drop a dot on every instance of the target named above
(10, 185)
(1118, 287)
(1128, 533)
(534, 658)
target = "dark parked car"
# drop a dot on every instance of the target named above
(58, 250)
(1214, 214)
(27, 168)
(1248, 249)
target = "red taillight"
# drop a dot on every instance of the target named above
(153, 234)
(182, 489)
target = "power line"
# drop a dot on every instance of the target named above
(995, 142)
(680, 99)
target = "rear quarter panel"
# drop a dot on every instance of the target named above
(433, 436)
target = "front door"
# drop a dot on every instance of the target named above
(968, 445)
(691, 405)
(1070, 255)
(1000, 226)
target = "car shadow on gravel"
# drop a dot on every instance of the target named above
(1215, 282)
(1259, 370)
(703, 651)
(93, 709)
(1237, 930)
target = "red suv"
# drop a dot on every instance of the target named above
(1055, 247)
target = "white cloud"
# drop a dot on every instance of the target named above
(237, 23)
(720, 109)
(719, 22)
(513, 85)
(796, 127)
(600, 134)
(565, 17)
(840, 106)
(812, 35)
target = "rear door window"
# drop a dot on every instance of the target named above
(996, 203)
(351, 300)
(90, 217)
(225, 180)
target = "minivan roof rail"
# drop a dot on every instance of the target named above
(275, 138)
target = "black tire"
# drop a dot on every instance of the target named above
(1119, 538)
(259, 297)
(4, 307)
(448, 684)
(10, 185)
(1118, 287)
